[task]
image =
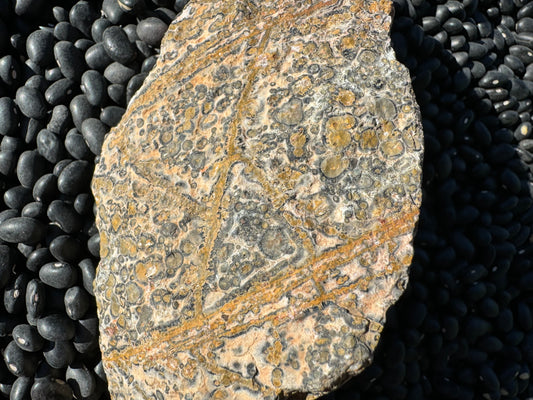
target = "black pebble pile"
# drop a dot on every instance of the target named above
(463, 329)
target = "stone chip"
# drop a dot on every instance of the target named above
(257, 202)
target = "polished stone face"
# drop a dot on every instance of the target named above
(257, 203)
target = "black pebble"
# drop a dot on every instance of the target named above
(10, 71)
(86, 338)
(60, 120)
(39, 46)
(82, 15)
(117, 93)
(27, 338)
(59, 354)
(37, 82)
(134, 84)
(94, 86)
(70, 60)
(49, 388)
(94, 131)
(113, 11)
(77, 302)
(88, 272)
(35, 298)
(111, 115)
(21, 230)
(151, 30)
(81, 380)
(81, 110)
(96, 57)
(53, 74)
(93, 245)
(8, 116)
(17, 197)
(45, 188)
(6, 264)
(31, 102)
(35, 209)
(525, 54)
(64, 31)
(148, 64)
(50, 146)
(76, 146)
(117, 45)
(59, 92)
(453, 26)
(14, 294)
(56, 327)
(21, 388)
(30, 168)
(75, 177)
(19, 362)
(59, 275)
(118, 73)
(98, 27)
(65, 248)
(64, 215)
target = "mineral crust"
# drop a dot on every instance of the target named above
(257, 203)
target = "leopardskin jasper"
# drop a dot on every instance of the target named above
(257, 203)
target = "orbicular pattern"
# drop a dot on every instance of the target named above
(257, 202)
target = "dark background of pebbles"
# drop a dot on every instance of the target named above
(463, 329)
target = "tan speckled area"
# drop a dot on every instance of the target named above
(257, 203)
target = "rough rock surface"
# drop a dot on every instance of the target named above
(257, 203)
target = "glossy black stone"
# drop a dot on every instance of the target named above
(35, 298)
(76, 145)
(49, 388)
(19, 362)
(56, 327)
(21, 230)
(10, 70)
(31, 102)
(136, 82)
(59, 92)
(117, 93)
(21, 388)
(39, 46)
(81, 380)
(94, 87)
(94, 131)
(59, 275)
(75, 177)
(64, 215)
(86, 338)
(66, 248)
(45, 188)
(70, 60)
(50, 146)
(82, 15)
(77, 302)
(17, 197)
(98, 27)
(151, 30)
(96, 57)
(8, 116)
(88, 273)
(81, 110)
(64, 31)
(6, 264)
(117, 45)
(27, 338)
(111, 115)
(118, 73)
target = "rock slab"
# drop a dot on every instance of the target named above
(257, 203)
